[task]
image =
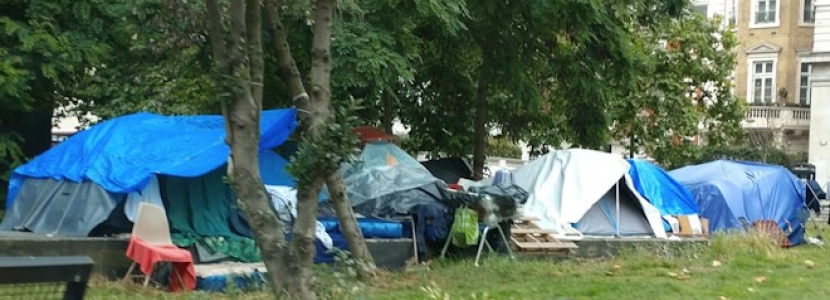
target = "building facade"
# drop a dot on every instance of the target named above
(774, 38)
(773, 72)
(819, 61)
(783, 72)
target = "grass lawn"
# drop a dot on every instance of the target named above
(732, 267)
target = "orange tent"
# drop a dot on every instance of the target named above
(370, 134)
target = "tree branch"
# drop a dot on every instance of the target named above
(253, 19)
(237, 35)
(321, 64)
(289, 72)
(215, 31)
(220, 59)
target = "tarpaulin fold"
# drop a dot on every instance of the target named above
(122, 154)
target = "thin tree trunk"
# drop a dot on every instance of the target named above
(387, 112)
(319, 110)
(287, 66)
(481, 134)
(302, 244)
(242, 117)
(315, 111)
(348, 225)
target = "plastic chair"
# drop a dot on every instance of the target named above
(151, 232)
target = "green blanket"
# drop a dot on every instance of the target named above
(200, 209)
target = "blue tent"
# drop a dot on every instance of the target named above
(121, 155)
(74, 188)
(728, 190)
(663, 191)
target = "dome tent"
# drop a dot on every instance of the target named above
(726, 191)
(586, 192)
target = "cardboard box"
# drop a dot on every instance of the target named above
(692, 225)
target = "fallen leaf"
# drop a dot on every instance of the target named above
(683, 277)
(685, 270)
(672, 274)
(723, 298)
(751, 290)
(760, 279)
(716, 264)
(617, 267)
(809, 263)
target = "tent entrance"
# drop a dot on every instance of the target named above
(604, 219)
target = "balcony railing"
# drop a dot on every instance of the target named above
(774, 117)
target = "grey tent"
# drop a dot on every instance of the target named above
(601, 218)
(83, 205)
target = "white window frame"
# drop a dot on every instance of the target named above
(750, 75)
(736, 11)
(809, 82)
(801, 21)
(753, 15)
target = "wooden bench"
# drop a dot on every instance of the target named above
(53, 277)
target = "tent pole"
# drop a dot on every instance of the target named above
(617, 228)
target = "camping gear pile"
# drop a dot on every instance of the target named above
(579, 194)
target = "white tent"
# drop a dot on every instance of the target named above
(589, 190)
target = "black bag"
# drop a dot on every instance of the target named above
(512, 192)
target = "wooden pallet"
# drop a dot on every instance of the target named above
(529, 238)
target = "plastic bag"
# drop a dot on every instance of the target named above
(464, 231)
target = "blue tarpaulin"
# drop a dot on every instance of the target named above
(122, 154)
(663, 191)
(728, 190)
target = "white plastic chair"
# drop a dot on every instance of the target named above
(151, 225)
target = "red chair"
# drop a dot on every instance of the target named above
(150, 243)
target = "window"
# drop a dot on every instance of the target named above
(766, 12)
(763, 82)
(808, 13)
(804, 84)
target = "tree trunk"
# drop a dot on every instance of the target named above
(481, 133)
(388, 115)
(287, 66)
(348, 224)
(319, 111)
(315, 112)
(254, 202)
(242, 117)
(302, 244)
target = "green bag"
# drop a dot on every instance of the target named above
(464, 231)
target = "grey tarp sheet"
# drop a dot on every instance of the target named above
(61, 208)
(387, 180)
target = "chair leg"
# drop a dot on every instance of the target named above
(129, 271)
(178, 275)
(446, 246)
(506, 243)
(147, 277)
(481, 242)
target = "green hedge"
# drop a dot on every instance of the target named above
(502, 147)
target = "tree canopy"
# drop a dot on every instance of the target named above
(544, 72)
(683, 93)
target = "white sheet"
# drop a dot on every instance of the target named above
(150, 194)
(284, 200)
